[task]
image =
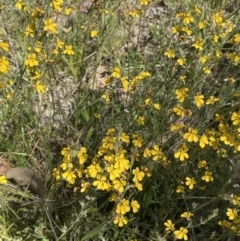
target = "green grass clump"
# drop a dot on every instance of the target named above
(128, 113)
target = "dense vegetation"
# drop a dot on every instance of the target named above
(119, 120)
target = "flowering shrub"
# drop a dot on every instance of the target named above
(129, 112)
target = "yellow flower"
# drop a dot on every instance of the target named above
(147, 101)
(186, 215)
(180, 189)
(66, 165)
(176, 29)
(113, 172)
(116, 72)
(202, 164)
(59, 43)
(199, 100)
(69, 176)
(140, 76)
(183, 78)
(212, 99)
(147, 153)
(120, 220)
(203, 141)
(66, 151)
(218, 18)
(144, 2)
(68, 11)
(19, 4)
(182, 153)
(138, 185)
(157, 153)
(125, 84)
(187, 18)
(219, 53)
(106, 97)
(169, 226)
(56, 4)
(135, 206)
(179, 111)
(198, 44)
(237, 38)
(202, 24)
(191, 135)
(138, 141)
(236, 200)
(225, 223)
(138, 175)
(169, 53)
(123, 207)
(232, 213)
(119, 184)
(228, 139)
(186, 30)
(9, 95)
(140, 120)
(156, 106)
(181, 233)
(204, 59)
(82, 155)
(4, 46)
(215, 38)
(93, 170)
(4, 65)
(190, 182)
(235, 118)
(55, 51)
(37, 75)
(30, 29)
(84, 186)
(3, 179)
(181, 61)
(181, 94)
(206, 70)
(94, 33)
(101, 183)
(134, 13)
(39, 87)
(57, 174)
(50, 26)
(68, 50)
(196, 9)
(124, 138)
(207, 177)
(121, 163)
(31, 60)
(109, 142)
(177, 127)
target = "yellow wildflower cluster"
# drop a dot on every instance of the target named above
(128, 85)
(233, 216)
(180, 233)
(4, 69)
(109, 170)
(220, 29)
(178, 140)
(227, 136)
(38, 56)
